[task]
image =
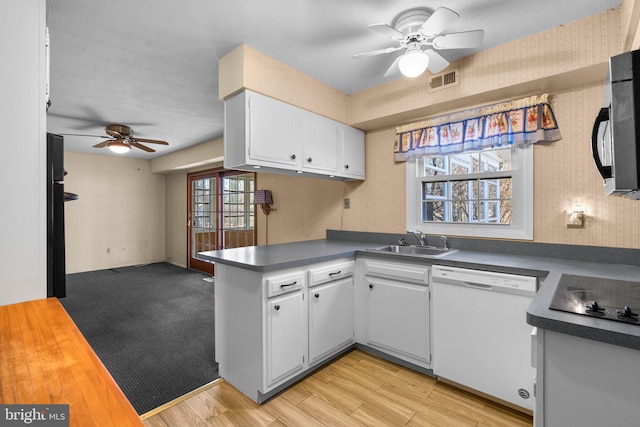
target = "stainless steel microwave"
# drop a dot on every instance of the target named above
(615, 139)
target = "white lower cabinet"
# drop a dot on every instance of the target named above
(330, 319)
(582, 382)
(286, 334)
(273, 327)
(396, 310)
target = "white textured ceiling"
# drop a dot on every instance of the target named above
(153, 64)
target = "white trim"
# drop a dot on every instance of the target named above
(522, 220)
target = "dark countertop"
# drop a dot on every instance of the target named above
(285, 255)
(547, 269)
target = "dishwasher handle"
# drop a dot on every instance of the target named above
(479, 286)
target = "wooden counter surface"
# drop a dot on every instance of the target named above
(44, 359)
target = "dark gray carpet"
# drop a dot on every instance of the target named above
(152, 326)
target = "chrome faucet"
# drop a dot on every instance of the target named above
(445, 244)
(418, 235)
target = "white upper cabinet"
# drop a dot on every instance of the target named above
(275, 131)
(264, 133)
(352, 153)
(320, 143)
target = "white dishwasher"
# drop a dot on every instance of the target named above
(481, 338)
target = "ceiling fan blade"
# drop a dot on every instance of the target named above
(152, 141)
(387, 30)
(81, 134)
(377, 52)
(104, 143)
(465, 40)
(438, 22)
(436, 62)
(142, 147)
(394, 68)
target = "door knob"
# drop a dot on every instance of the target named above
(309, 160)
(277, 307)
(317, 295)
(370, 285)
(293, 157)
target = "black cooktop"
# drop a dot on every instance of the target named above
(609, 299)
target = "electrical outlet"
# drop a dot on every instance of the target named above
(347, 203)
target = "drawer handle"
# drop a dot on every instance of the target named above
(288, 284)
(370, 285)
(346, 166)
(309, 160)
(277, 307)
(293, 157)
(337, 272)
(317, 295)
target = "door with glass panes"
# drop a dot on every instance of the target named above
(220, 213)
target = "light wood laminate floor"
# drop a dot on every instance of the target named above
(355, 390)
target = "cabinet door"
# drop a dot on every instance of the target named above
(330, 318)
(397, 317)
(286, 332)
(319, 143)
(275, 131)
(352, 161)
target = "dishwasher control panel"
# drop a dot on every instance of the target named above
(484, 279)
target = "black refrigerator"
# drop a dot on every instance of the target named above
(56, 196)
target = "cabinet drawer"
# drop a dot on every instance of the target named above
(281, 284)
(403, 272)
(318, 276)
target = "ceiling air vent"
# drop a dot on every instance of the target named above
(446, 79)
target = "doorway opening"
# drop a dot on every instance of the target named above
(220, 213)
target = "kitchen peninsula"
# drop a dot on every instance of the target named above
(257, 273)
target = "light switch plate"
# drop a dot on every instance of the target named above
(347, 203)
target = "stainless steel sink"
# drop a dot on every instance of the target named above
(430, 251)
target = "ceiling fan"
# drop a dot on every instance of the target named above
(415, 28)
(121, 139)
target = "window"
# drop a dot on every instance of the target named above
(486, 193)
(237, 199)
(220, 213)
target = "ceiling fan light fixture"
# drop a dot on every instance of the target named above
(119, 147)
(413, 63)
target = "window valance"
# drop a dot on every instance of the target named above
(523, 121)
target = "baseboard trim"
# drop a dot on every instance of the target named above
(180, 399)
(509, 405)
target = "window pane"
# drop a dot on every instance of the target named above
(460, 211)
(496, 160)
(459, 169)
(506, 188)
(434, 165)
(506, 212)
(460, 190)
(433, 211)
(434, 189)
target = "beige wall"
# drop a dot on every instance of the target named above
(565, 175)
(121, 207)
(176, 226)
(305, 208)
